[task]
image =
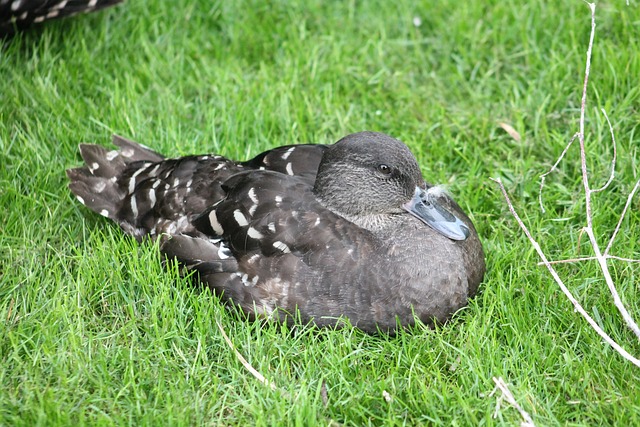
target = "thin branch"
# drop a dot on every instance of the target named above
(624, 212)
(555, 165)
(506, 394)
(590, 258)
(244, 362)
(585, 181)
(609, 280)
(560, 283)
(583, 105)
(601, 258)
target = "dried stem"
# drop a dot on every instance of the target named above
(583, 105)
(585, 182)
(624, 212)
(600, 257)
(589, 258)
(560, 283)
(244, 362)
(543, 177)
(602, 260)
(506, 394)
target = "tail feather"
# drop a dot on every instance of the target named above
(135, 152)
(97, 184)
(100, 162)
(99, 194)
(140, 190)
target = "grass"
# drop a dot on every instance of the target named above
(95, 331)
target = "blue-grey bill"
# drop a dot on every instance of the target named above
(427, 209)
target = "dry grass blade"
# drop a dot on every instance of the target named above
(244, 362)
(508, 396)
(511, 131)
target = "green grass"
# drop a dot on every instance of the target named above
(94, 331)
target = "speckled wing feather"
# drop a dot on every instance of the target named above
(19, 14)
(300, 160)
(257, 201)
(148, 195)
(285, 244)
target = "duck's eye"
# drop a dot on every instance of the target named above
(384, 169)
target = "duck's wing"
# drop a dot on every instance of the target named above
(148, 195)
(274, 214)
(285, 248)
(296, 160)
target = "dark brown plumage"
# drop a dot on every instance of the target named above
(349, 230)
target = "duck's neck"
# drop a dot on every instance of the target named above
(377, 223)
(381, 225)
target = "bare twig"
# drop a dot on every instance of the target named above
(543, 177)
(624, 212)
(631, 324)
(583, 105)
(244, 362)
(589, 258)
(600, 257)
(560, 283)
(508, 396)
(585, 182)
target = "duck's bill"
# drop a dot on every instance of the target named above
(428, 209)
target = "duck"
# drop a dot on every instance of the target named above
(20, 14)
(331, 235)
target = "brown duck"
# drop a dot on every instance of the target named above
(311, 232)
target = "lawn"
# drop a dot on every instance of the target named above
(94, 331)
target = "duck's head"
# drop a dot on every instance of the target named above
(369, 178)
